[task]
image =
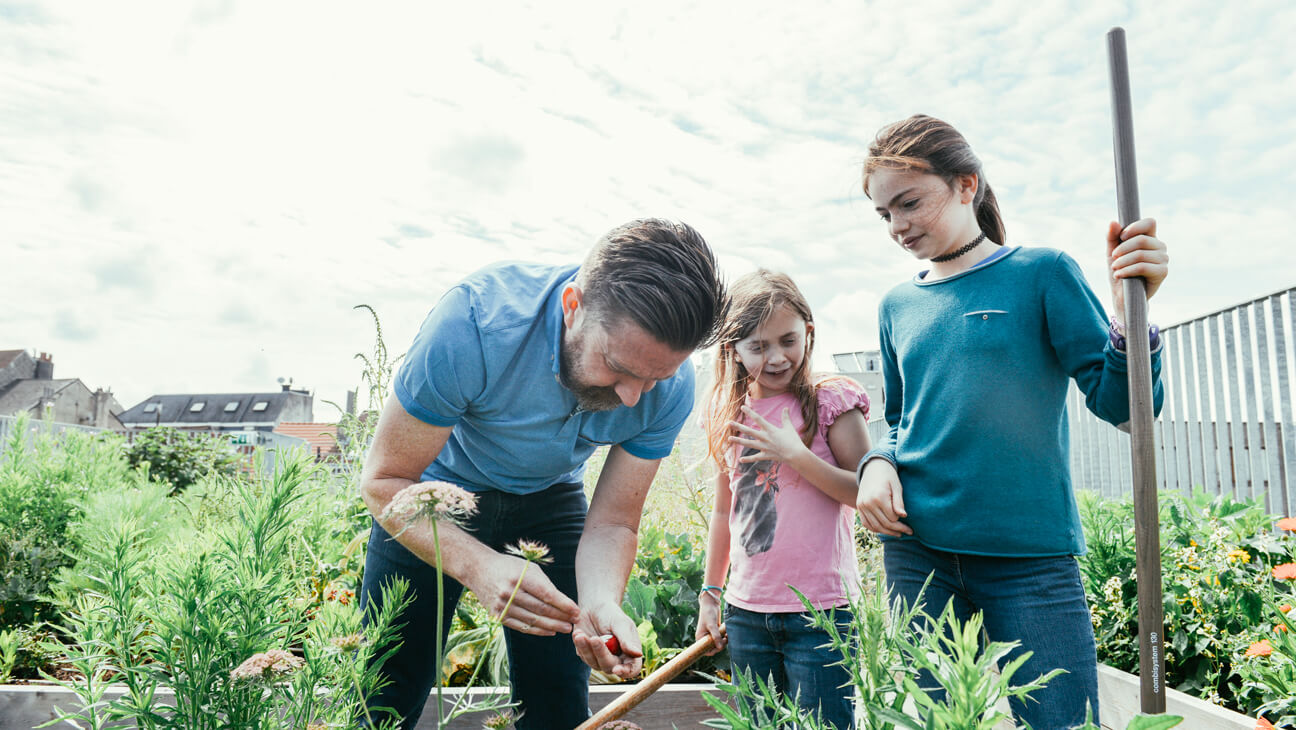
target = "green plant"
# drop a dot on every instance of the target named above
(884, 652)
(203, 612)
(663, 589)
(10, 642)
(43, 478)
(1269, 664)
(180, 458)
(475, 646)
(1217, 557)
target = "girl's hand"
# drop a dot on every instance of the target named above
(709, 622)
(880, 503)
(1135, 251)
(772, 443)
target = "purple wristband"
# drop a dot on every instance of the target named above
(1118, 339)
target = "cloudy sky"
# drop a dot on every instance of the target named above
(195, 195)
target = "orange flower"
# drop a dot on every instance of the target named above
(1287, 523)
(1286, 571)
(1280, 628)
(1260, 648)
(1285, 607)
(1263, 724)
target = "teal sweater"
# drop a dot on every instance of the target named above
(976, 369)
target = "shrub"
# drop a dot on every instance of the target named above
(44, 476)
(1217, 557)
(180, 458)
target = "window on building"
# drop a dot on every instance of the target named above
(150, 407)
(231, 406)
(261, 405)
(196, 407)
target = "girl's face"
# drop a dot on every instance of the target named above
(773, 352)
(922, 213)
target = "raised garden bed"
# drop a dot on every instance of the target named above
(679, 705)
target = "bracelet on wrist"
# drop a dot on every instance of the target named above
(1116, 334)
(715, 592)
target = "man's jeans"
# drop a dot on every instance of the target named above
(1039, 602)
(786, 647)
(547, 676)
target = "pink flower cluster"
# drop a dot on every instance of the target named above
(431, 501)
(267, 665)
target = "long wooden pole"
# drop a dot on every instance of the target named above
(1147, 536)
(653, 682)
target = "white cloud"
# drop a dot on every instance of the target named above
(210, 187)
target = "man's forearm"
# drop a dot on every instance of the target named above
(603, 563)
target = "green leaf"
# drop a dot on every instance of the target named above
(1153, 722)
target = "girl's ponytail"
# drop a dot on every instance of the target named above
(988, 216)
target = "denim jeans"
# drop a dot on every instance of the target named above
(547, 677)
(1038, 602)
(789, 649)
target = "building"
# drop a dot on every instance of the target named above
(222, 412)
(321, 438)
(27, 384)
(864, 367)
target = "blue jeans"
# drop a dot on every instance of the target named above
(789, 649)
(547, 677)
(1038, 602)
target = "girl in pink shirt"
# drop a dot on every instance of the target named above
(784, 507)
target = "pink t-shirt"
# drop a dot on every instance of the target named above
(783, 531)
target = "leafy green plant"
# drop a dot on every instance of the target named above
(1217, 559)
(43, 478)
(190, 613)
(663, 589)
(181, 458)
(1269, 664)
(475, 646)
(10, 642)
(884, 653)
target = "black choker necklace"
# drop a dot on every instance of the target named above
(955, 254)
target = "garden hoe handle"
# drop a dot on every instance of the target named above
(1147, 537)
(653, 682)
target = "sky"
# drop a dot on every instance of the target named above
(195, 195)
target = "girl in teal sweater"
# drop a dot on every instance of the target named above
(972, 486)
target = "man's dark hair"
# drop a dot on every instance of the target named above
(663, 276)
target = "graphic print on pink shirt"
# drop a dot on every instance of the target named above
(755, 514)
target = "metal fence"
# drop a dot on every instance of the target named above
(1227, 424)
(35, 426)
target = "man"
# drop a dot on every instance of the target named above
(517, 375)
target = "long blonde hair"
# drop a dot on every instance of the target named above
(754, 298)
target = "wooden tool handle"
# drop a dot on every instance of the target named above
(1147, 530)
(653, 682)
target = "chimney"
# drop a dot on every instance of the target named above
(99, 407)
(45, 366)
(351, 402)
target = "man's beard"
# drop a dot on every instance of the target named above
(588, 397)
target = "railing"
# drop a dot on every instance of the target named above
(35, 425)
(1227, 424)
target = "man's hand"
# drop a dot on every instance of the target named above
(537, 608)
(880, 501)
(595, 623)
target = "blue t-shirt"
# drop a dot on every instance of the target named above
(486, 361)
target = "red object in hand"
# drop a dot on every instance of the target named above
(610, 641)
